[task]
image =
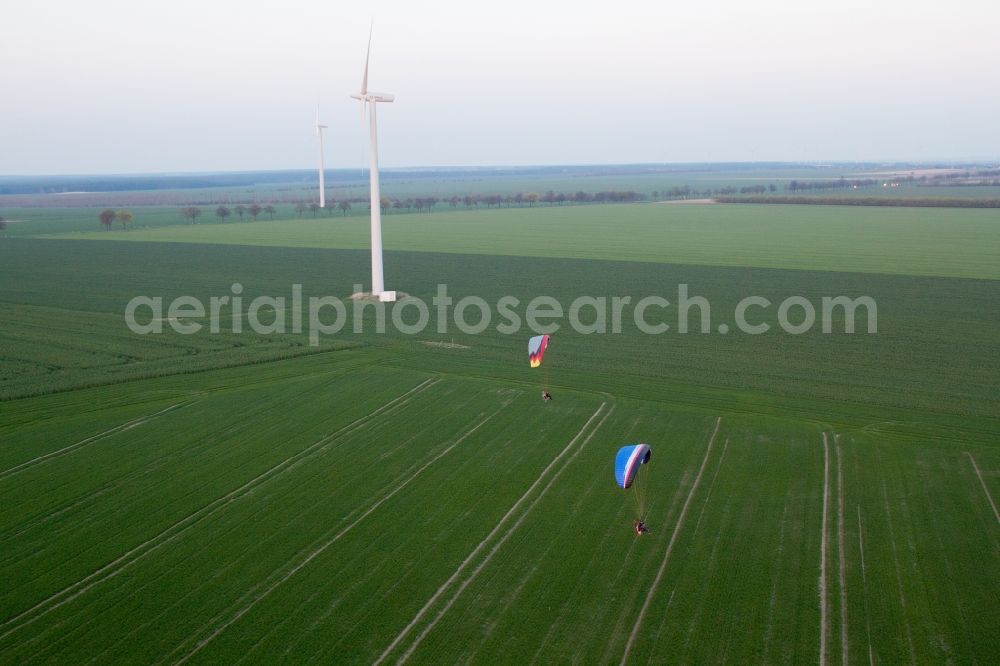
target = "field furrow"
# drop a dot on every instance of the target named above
(495, 532)
(385, 495)
(84, 442)
(129, 558)
(986, 490)
(670, 546)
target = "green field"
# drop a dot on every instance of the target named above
(957, 243)
(232, 496)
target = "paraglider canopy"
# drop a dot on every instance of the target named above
(627, 463)
(536, 349)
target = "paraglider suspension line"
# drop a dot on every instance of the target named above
(639, 494)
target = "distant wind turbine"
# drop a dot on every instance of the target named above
(373, 98)
(322, 185)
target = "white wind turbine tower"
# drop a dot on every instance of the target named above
(322, 185)
(370, 100)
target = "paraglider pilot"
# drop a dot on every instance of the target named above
(640, 528)
(546, 396)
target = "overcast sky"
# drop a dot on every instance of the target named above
(121, 86)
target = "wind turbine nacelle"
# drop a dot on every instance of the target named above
(373, 97)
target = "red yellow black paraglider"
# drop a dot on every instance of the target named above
(536, 349)
(536, 352)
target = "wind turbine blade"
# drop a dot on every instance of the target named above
(368, 53)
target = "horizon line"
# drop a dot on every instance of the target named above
(940, 163)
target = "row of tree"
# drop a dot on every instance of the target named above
(839, 184)
(939, 202)
(981, 182)
(529, 199)
(420, 204)
(192, 213)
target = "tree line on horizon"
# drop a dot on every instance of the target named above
(903, 202)
(761, 193)
(420, 204)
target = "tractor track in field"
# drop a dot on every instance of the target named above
(711, 486)
(583, 582)
(41, 520)
(864, 587)
(482, 544)
(497, 546)
(128, 425)
(986, 490)
(899, 575)
(113, 484)
(773, 599)
(670, 546)
(840, 553)
(235, 564)
(824, 601)
(130, 557)
(400, 484)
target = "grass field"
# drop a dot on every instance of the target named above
(231, 497)
(956, 243)
(431, 517)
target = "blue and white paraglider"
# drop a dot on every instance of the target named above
(627, 463)
(629, 460)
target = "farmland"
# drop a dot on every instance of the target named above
(217, 497)
(470, 509)
(957, 243)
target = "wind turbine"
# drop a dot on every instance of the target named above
(373, 98)
(322, 185)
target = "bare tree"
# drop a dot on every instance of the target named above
(344, 205)
(299, 208)
(384, 203)
(222, 213)
(190, 213)
(269, 209)
(254, 211)
(240, 210)
(532, 198)
(314, 208)
(107, 218)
